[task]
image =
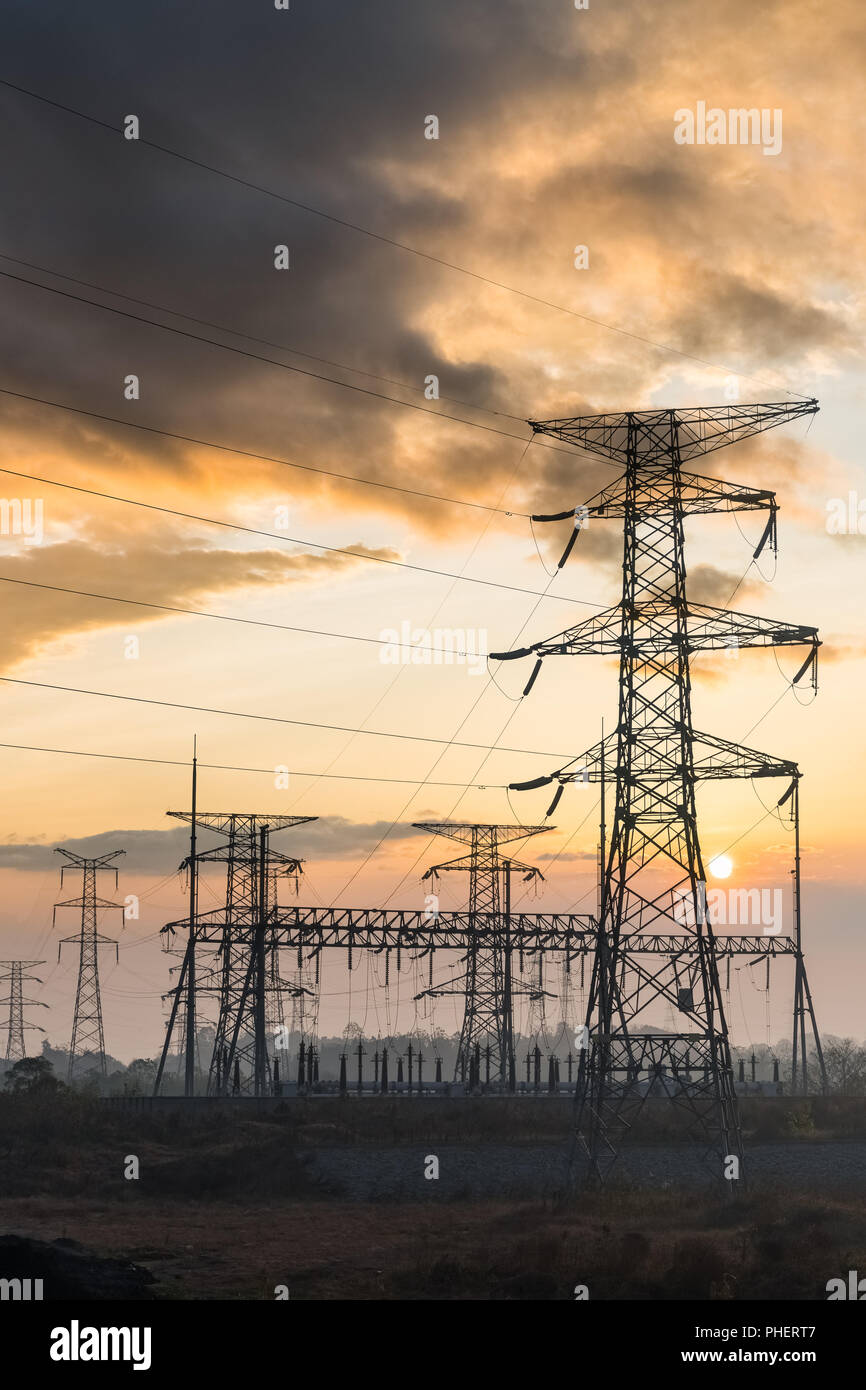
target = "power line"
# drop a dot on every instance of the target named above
(440, 606)
(253, 338)
(379, 236)
(228, 767)
(268, 458)
(252, 530)
(259, 357)
(230, 618)
(490, 749)
(271, 718)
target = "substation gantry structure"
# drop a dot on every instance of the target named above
(492, 946)
(652, 860)
(247, 934)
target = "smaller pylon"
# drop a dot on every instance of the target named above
(87, 1031)
(486, 983)
(15, 1050)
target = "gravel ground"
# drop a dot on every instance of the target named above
(499, 1170)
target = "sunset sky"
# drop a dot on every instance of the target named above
(712, 270)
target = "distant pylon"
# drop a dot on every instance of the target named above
(487, 982)
(87, 1031)
(15, 1050)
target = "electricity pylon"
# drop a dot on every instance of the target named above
(15, 1050)
(87, 1031)
(653, 865)
(246, 972)
(486, 983)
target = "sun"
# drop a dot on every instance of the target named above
(721, 866)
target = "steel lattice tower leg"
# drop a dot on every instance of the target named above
(804, 1009)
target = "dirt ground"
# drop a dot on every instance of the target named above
(620, 1245)
(228, 1208)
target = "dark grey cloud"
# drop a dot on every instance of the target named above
(327, 102)
(709, 584)
(309, 103)
(334, 837)
(160, 852)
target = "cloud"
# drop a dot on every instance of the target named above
(160, 852)
(835, 650)
(708, 584)
(334, 837)
(711, 251)
(182, 576)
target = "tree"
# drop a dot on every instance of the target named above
(140, 1076)
(846, 1066)
(32, 1075)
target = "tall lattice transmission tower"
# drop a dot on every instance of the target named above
(17, 976)
(487, 981)
(88, 1037)
(653, 868)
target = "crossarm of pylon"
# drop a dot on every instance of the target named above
(465, 864)
(455, 830)
(709, 629)
(226, 822)
(698, 496)
(609, 502)
(714, 628)
(702, 496)
(91, 902)
(714, 760)
(598, 635)
(700, 429)
(91, 936)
